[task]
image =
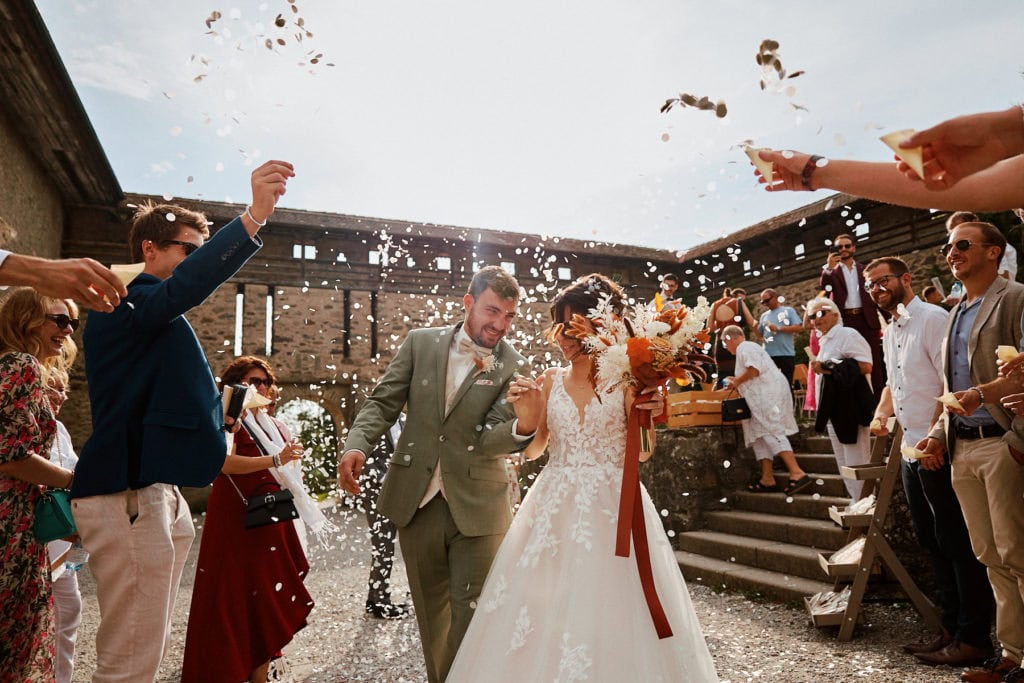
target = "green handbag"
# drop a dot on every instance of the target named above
(53, 516)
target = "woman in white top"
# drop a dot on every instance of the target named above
(837, 343)
(65, 559)
(770, 398)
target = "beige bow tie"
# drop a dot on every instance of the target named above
(468, 346)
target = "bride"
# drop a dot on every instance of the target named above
(558, 604)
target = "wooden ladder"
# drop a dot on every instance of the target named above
(879, 476)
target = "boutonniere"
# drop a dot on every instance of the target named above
(486, 364)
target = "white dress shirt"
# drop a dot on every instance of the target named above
(842, 342)
(853, 286)
(912, 347)
(1008, 262)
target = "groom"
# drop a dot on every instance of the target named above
(446, 487)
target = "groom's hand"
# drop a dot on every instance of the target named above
(349, 468)
(527, 398)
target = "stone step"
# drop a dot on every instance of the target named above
(819, 463)
(817, 443)
(717, 573)
(786, 558)
(813, 533)
(807, 505)
(823, 484)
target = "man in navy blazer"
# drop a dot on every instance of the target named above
(842, 278)
(156, 423)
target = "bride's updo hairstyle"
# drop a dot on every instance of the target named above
(581, 296)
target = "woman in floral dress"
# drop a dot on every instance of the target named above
(34, 342)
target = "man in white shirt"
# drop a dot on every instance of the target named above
(81, 279)
(912, 344)
(842, 277)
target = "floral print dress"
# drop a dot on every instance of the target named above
(27, 426)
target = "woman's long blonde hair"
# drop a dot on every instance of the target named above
(21, 314)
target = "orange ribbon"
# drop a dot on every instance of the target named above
(631, 520)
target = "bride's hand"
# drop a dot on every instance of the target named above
(526, 397)
(650, 398)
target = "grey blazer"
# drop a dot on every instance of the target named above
(998, 322)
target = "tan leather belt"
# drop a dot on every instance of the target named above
(852, 311)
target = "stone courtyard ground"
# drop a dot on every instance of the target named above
(750, 640)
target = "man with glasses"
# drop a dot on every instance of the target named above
(843, 278)
(777, 326)
(156, 417)
(983, 442)
(912, 345)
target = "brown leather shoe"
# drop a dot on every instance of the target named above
(937, 643)
(957, 653)
(992, 671)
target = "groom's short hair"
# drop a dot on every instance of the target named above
(495, 278)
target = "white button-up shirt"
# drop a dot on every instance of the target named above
(853, 286)
(842, 342)
(912, 346)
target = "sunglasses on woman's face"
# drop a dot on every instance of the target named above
(259, 382)
(62, 320)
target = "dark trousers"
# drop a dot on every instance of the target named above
(786, 365)
(382, 537)
(873, 335)
(964, 593)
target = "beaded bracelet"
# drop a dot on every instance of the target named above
(276, 457)
(249, 214)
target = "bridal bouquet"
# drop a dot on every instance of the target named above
(644, 347)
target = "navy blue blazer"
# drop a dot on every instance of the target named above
(156, 412)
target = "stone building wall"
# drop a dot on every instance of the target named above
(31, 215)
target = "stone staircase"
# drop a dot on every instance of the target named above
(767, 544)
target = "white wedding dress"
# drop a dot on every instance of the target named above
(558, 604)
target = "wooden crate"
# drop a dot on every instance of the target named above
(697, 408)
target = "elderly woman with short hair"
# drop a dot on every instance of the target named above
(845, 401)
(770, 399)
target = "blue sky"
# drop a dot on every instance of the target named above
(533, 116)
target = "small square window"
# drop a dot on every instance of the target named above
(309, 252)
(374, 257)
(509, 267)
(443, 263)
(564, 273)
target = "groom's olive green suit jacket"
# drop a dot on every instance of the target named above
(470, 439)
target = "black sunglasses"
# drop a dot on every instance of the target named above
(259, 382)
(187, 246)
(961, 245)
(63, 320)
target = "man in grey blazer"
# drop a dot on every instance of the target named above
(984, 442)
(446, 487)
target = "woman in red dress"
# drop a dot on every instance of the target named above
(248, 600)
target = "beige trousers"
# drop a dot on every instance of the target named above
(137, 542)
(989, 484)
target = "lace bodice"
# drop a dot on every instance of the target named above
(599, 440)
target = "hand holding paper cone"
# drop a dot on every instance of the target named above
(913, 453)
(1006, 353)
(948, 399)
(912, 156)
(126, 272)
(764, 167)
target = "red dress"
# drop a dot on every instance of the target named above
(248, 600)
